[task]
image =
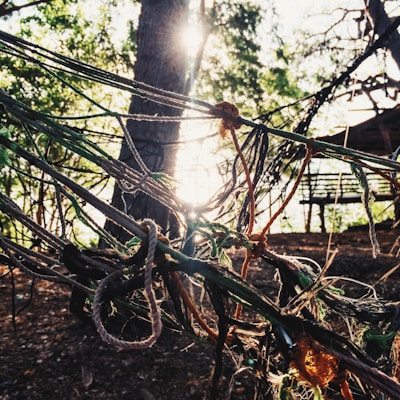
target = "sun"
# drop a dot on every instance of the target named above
(190, 38)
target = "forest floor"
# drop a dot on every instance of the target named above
(53, 355)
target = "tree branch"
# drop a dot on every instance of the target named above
(324, 94)
(381, 22)
(6, 11)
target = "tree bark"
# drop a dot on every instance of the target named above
(380, 21)
(161, 62)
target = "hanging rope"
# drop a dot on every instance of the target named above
(306, 160)
(224, 283)
(192, 307)
(366, 197)
(155, 315)
(229, 123)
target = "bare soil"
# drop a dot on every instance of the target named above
(52, 355)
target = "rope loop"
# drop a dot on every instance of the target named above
(154, 314)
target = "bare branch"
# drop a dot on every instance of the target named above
(8, 10)
(380, 21)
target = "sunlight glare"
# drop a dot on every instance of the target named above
(197, 165)
(190, 37)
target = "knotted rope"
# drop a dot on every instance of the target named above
(229, 123)
(155, 315)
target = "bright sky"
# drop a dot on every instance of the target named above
(197, 164)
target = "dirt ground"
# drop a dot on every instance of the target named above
(53, 355)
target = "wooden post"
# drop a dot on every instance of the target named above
(309, 215)
(322, 216)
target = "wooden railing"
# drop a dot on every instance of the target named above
(323, 189)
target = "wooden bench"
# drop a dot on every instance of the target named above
(323, 189)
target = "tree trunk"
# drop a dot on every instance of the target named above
(161, 62)
(380, 21)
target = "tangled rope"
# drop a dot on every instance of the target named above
(220, 281)
(229, 123)
(155, 315)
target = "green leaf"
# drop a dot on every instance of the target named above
(224, 259)
(4, 158)
(5, 132)
(133, 243)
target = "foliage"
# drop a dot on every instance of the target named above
(77, 34)
(234, 66)
(232, 61)
(51, 152)
(237, 25)
(278, 80)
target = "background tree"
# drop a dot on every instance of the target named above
(169, 69)
(162, 63)
(379, 20)
(78, 35)
(231, 31)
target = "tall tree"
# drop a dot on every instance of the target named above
(161, 62)
(164, 63)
